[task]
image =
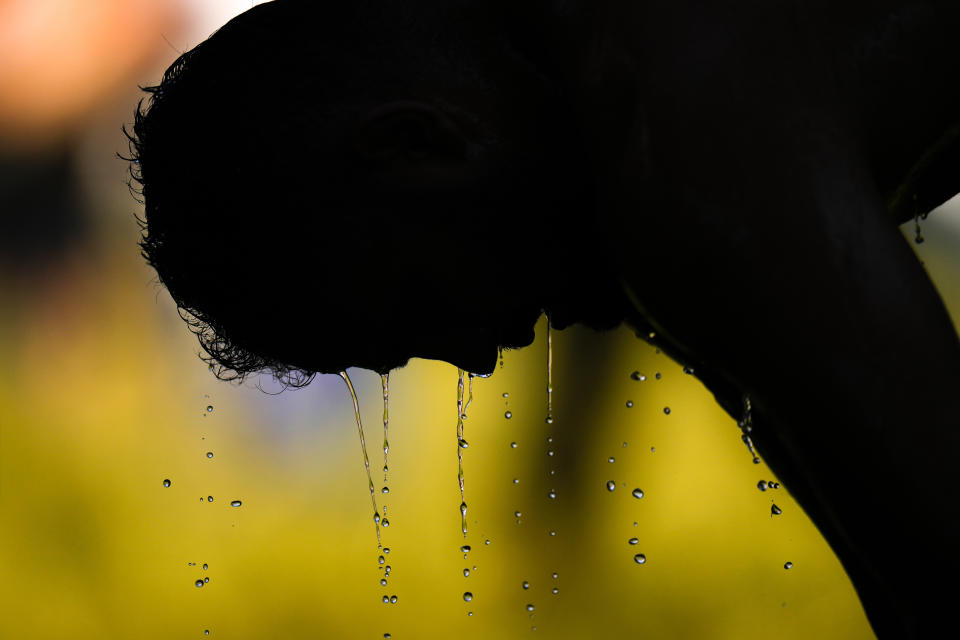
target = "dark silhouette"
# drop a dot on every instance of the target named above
(332, 186)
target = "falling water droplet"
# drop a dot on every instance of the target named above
(466, 572)
(554, 575)
(385, 523)
(383, 582)
(209, 454)
(385, 490)
(516, 480)
(762, 485)
(788, 565)
(530, 607)
(637, 493)
(657, 375)
(206, 580)
(555, 591)
(387, 636)
(773, 485)
(611, 485)
(637, 376)
(235, 503)
(688, 371)
(166, 483)
(467, 596)
(513, 445)
(508, 414)
(517, 514)
(210, 408)
(204, 566)
(775, 510)
(629, 404)
(465, 548)
(552, 494)
(206, 632)
(640, 558)
(386, 549)
(611, 460)
(666, 410)
(526, 585)
(393, 599)
(363, 450)
(198, 583)
(633, 541)
(381, 560)
(386, 599)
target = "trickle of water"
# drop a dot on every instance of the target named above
(363, 450)
(209, 454)
(460, 447)
(637, 493)
(633, 541)
(549, 418)
(775, 510)
(235, 503)
(385, 386)
(788, 565)
(526, 585)
(611, 485)
(640, 558)
(166, 483)
(467, 596)
(746, 426)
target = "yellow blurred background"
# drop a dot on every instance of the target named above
(102, 398)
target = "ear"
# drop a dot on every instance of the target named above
(411, 144)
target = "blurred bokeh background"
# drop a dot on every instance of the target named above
(103, 398)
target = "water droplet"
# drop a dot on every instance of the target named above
(209, 454)
(788, 565)
(166, 483)
(465, 548)
(550, 453)
(688, 371)
(633, 541)
(611, 460)
(381, 560)
(516, 514)
(209, 498)
(206, 580)
(526, 585)
(386, 599)
(653, 449)
(657, 375)
(775, 510)
(393, 599)
(466, 573)
(530, 607)
(637, 376)
(467, 596)
(640, 558)
(206, 632)
(385, 522)
(387, 569)
(554, 575)
(553, 533)
(486, 542)
(637, 493)
(666, 410)
(210, 408)
(387, 636)
(386, 549)
(505, 394)
(235, 503)
(555, 591)
(508, 415)
(611, 485)
(383, 582)
(463, 443)
(552, 494)
(629, 404)
(198, 583)
(204, 566)
(513, 445)
(624, 445)
(773, 485)
(762, 485)
(516, 481)
(376, 517)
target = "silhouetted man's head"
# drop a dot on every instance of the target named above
(332, 186)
